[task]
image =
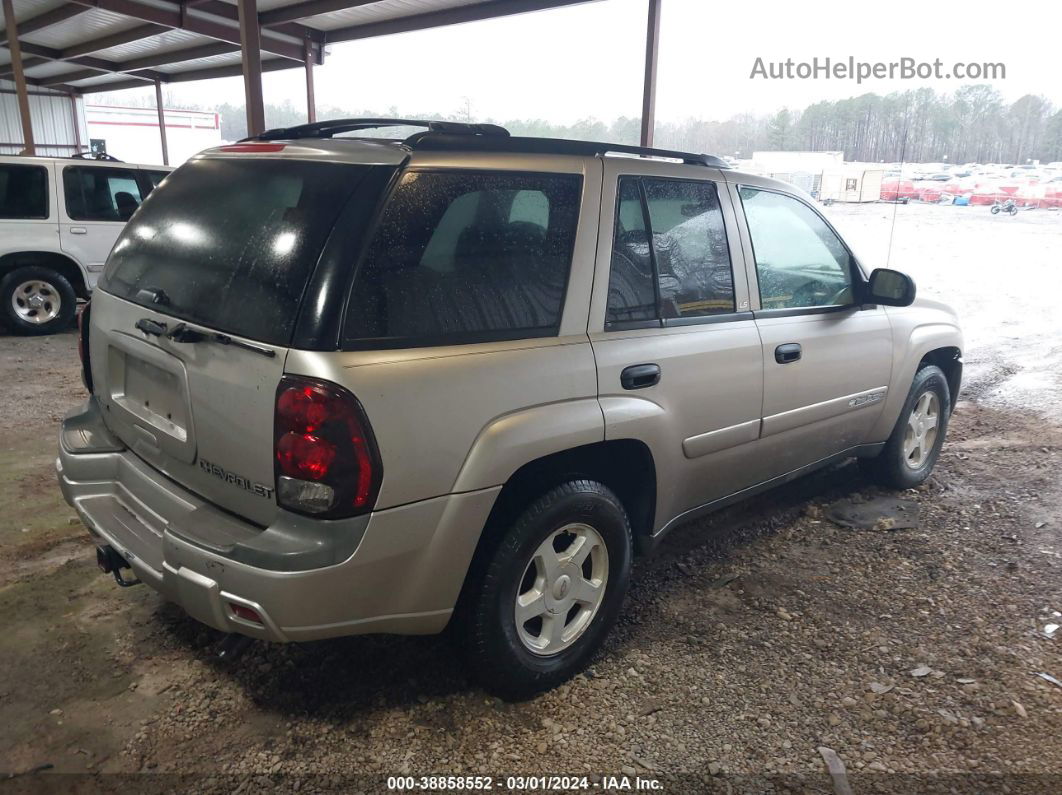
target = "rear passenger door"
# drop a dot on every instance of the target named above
(97, 201)
(827, 359)
(678, 355)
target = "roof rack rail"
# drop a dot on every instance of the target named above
(442, 141)
(95, 156)
(455, 136)
(327, 129)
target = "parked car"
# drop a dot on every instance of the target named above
(59, 218)
(360, 386)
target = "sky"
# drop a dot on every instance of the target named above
(584, 61)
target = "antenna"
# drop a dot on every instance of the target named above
(899, 179)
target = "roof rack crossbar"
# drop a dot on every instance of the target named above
(327, 129)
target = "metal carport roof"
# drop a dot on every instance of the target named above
(79, 46)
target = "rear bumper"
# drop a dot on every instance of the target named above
(397, 571)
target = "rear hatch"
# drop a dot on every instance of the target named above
(195, 312)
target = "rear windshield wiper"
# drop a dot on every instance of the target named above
(184, 334)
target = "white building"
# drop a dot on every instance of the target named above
(824, 175)
(132, 134)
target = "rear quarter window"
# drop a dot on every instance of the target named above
(231, 243)
(466, 256)
(23, 192)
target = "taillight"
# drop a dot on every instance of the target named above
(83, 325)
(325, 457)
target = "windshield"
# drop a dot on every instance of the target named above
(231, 244)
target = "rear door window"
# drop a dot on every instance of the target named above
(670, 256)
(231, 243)
(631, 286)
(466, 257)
(100, 194)
(23, 192)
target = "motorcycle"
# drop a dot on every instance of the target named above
(1008, 207)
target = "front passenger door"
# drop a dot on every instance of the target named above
(827, 360)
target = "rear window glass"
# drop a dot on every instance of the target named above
(23, 191)
(232, 243)
(466, 257)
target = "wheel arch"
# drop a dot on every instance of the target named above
(949, 359)
(933, 343)
(60, 263)
(625, 466)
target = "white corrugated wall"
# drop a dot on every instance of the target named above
(53, 122)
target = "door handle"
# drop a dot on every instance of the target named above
(788, 353)
(640, 376)
(78, 230)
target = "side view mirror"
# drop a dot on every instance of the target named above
(890, 288)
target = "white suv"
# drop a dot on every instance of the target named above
(59, 218)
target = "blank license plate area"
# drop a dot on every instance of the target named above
(154, 395)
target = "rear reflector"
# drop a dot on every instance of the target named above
(246, 613)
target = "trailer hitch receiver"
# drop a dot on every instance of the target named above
(110, 562)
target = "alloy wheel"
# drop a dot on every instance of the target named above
(36, 301)
(561, 590)
(921, 432)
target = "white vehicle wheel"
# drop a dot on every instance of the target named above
(37, 300)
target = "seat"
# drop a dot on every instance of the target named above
(126, 204)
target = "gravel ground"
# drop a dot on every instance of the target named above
(751, 640)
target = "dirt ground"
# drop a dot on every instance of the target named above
(753, 638)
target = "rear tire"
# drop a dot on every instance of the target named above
(546, 566)
(35, 300)
(914, 445)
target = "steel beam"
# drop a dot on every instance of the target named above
(92, 65)
(177, 18)
(251, 51)
(308, 8)
(311, 102)
(20, 77)
(652, 46)
(138, 33)
(450, 16)
(227, 11)
(74, 119)
(207, 73)
(46, 19)
(140, 67)
(176, 56)
(162, 123)
(27, 63)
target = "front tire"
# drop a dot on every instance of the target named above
(35, 300)
(540, 602)
(914, 445)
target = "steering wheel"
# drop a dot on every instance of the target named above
(815, 293)
(811, 293)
